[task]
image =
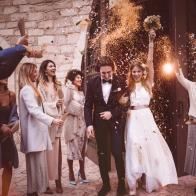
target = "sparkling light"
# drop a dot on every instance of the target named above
(168, 68)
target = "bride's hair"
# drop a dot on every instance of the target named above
(144, 79)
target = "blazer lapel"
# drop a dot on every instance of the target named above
(99, 89)
(114, 85)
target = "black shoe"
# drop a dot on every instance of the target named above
(121, 188)
(59, 188)
(104, 190)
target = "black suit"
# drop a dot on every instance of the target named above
(106, 131)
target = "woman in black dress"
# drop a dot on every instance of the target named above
(8, 125)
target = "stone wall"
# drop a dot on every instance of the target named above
(50, 22)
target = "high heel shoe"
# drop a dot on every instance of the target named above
(72, 181)
(81, 180)
(59, 188)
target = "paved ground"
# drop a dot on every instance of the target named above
(18, 187)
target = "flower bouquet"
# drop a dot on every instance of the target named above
(152, 22)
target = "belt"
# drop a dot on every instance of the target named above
(138, 107)
(191, 120)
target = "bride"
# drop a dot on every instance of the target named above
(147, 153)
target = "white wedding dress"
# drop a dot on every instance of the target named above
(146, 150)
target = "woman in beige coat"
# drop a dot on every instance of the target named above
(52, 95)
(74, 125)
(34, 123)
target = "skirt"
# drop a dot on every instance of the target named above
(37, 173)
(190, 160)
(8, 153)
(74, 148)
(53, 159)
(147, 152)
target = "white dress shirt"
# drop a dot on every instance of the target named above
(106, 88)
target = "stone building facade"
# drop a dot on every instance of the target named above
(47, 22)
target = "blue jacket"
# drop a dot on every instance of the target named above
(9, 59)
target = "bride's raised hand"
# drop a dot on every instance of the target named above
(152, 35)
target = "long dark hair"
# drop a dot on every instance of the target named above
(71, 75)
(42, 78)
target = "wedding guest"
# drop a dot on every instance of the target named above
(10, 57)
(34, 122)
(52, 94)
(9, 124)
(74, 126)
(147, 153)
(190, 159)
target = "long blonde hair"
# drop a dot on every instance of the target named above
(144, 80)
(24, 79)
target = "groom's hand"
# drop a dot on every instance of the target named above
(90, 131)
(106, 115)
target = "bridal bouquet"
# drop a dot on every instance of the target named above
(152, 22)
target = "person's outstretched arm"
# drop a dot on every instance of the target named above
(180, 76)
(150, 66)
(9, 59)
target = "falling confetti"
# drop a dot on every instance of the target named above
(192, 59)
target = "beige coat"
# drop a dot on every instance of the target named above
(74, 124)
(50, 108)
(34, 123)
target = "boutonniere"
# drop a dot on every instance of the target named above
(117, 90)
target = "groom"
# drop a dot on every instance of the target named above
(103, 116)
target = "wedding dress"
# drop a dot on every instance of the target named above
(146, 150)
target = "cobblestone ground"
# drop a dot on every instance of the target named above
(18, 187)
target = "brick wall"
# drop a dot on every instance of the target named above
(50, 22)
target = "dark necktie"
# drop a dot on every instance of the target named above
(109, 81)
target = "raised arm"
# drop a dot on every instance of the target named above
(9, 59)
(181, 79)
(150, 66)
(71, 106)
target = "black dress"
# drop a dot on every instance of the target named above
(8, 151)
